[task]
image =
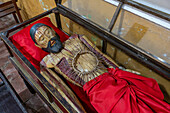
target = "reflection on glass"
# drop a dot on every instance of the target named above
(71, 27)
(162, 6)
(145, 34)
(97, 11)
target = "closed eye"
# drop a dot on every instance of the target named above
(41, 38)
(47, 32)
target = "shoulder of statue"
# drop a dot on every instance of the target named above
(71, 39)
(46, 61)
(51, 59)
(47, 57)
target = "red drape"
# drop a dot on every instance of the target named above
(124, 92)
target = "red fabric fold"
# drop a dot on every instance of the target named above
(124, 92)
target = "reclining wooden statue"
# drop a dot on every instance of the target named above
(81, 63)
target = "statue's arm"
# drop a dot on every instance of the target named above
(47, 62)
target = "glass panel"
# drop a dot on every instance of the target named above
(117, 55)
(71, 28)
(97, 11)
(145, 34)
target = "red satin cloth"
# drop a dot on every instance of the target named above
(124, 92)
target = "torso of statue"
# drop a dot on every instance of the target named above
(77, 61)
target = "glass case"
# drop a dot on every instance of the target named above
(142, 33)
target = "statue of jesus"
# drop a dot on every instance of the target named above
(108, 88)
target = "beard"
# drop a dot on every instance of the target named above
(56, 47)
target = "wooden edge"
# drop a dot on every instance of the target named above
(62, 88)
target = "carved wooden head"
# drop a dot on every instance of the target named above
(46, 38)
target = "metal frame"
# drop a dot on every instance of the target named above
(137, 53)
(105, 34)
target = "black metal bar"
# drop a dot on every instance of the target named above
(104, 46)
(57, 15)
(112, 23)
(30, 88)
(144, 57)
(58, 20)
(58, 2)
(148, 9)
(115, 16)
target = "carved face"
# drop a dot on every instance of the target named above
(47, 39)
